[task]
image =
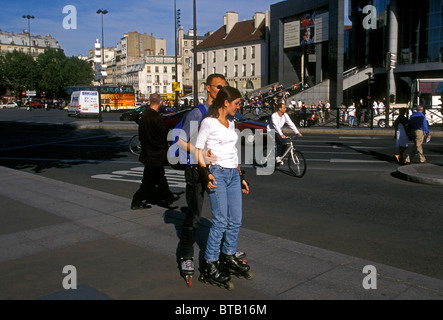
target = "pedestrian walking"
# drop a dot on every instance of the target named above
(320, 112)
(351, 114)
(419, 133)
(401, 136)
(153, 137)
(327, 110)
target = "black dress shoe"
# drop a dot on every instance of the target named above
(142, 205)
(166, 204)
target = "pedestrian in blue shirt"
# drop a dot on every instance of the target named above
(420, 134)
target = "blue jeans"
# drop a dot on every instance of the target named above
(226, 207)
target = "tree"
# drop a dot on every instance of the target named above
(53, 72)
(49, 73)
(56, 72)
(16, 74)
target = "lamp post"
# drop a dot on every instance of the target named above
(195, 56)
(370, 109)
(176, 26)
(100, 115)
(29, 17)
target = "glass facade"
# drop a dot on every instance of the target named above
(420, 31)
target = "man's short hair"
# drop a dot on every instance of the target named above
(155, 98)
(420, 108)
(214, 75)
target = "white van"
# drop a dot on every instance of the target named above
(83, 103)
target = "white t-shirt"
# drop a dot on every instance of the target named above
(220, 140)
(279, 122)
(351, 111)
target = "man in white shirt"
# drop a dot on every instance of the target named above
(278, 120)
(351, 114)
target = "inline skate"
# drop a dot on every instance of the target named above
(186, 266)
(236, 266)
(215, 275)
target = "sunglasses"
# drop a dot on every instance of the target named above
(218, 87)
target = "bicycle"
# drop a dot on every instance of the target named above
(135, 145)
(296, 160)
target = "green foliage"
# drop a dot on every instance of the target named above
(52, 73)
(15, 68)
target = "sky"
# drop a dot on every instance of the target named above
(143, 16)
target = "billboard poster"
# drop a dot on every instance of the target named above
(309, 28)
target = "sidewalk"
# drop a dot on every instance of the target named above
(123, 254)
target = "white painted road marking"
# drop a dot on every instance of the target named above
(176, 178)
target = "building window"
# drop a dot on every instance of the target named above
(236, 71)
(243, 70)
(165, 90)
(225, 69)
(253, 69)
(204, 57)
(214, 70)
(148, 69)
(149, 89)
(214, 57)
(157, 89)
(165, 69)
(226, 55)
(157, 69)
(203, 73)
(244, 53)
(236, 54)
(253, 52)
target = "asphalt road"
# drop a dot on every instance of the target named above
(350, 200)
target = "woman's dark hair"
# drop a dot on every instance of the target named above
(225, 93)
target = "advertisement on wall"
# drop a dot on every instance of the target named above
(309, 28)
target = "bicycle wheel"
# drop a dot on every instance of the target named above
(135, 145)
(297, 163)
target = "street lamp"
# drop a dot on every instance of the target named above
(176, 26)
(100, 116)
(29, 17)
(370, 109)
(195, 54)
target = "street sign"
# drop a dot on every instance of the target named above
(31, 93)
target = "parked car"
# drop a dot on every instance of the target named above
(433, 116)
(172, 119)
(9, 104)
(136, 114)
(380, 121)
(242, 123)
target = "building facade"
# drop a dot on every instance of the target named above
(238, 50)
(157, 76)
(396, 41)
(10, 41)
(186, 56)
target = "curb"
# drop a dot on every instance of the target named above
(431, 174)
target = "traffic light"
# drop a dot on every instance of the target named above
(178, 15)
(391, 61)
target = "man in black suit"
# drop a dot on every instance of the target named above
(153, 137)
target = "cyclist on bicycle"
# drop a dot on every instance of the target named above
(278, 120)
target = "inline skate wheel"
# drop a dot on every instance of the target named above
(229, 286)
(188, 280)
(249, 275)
